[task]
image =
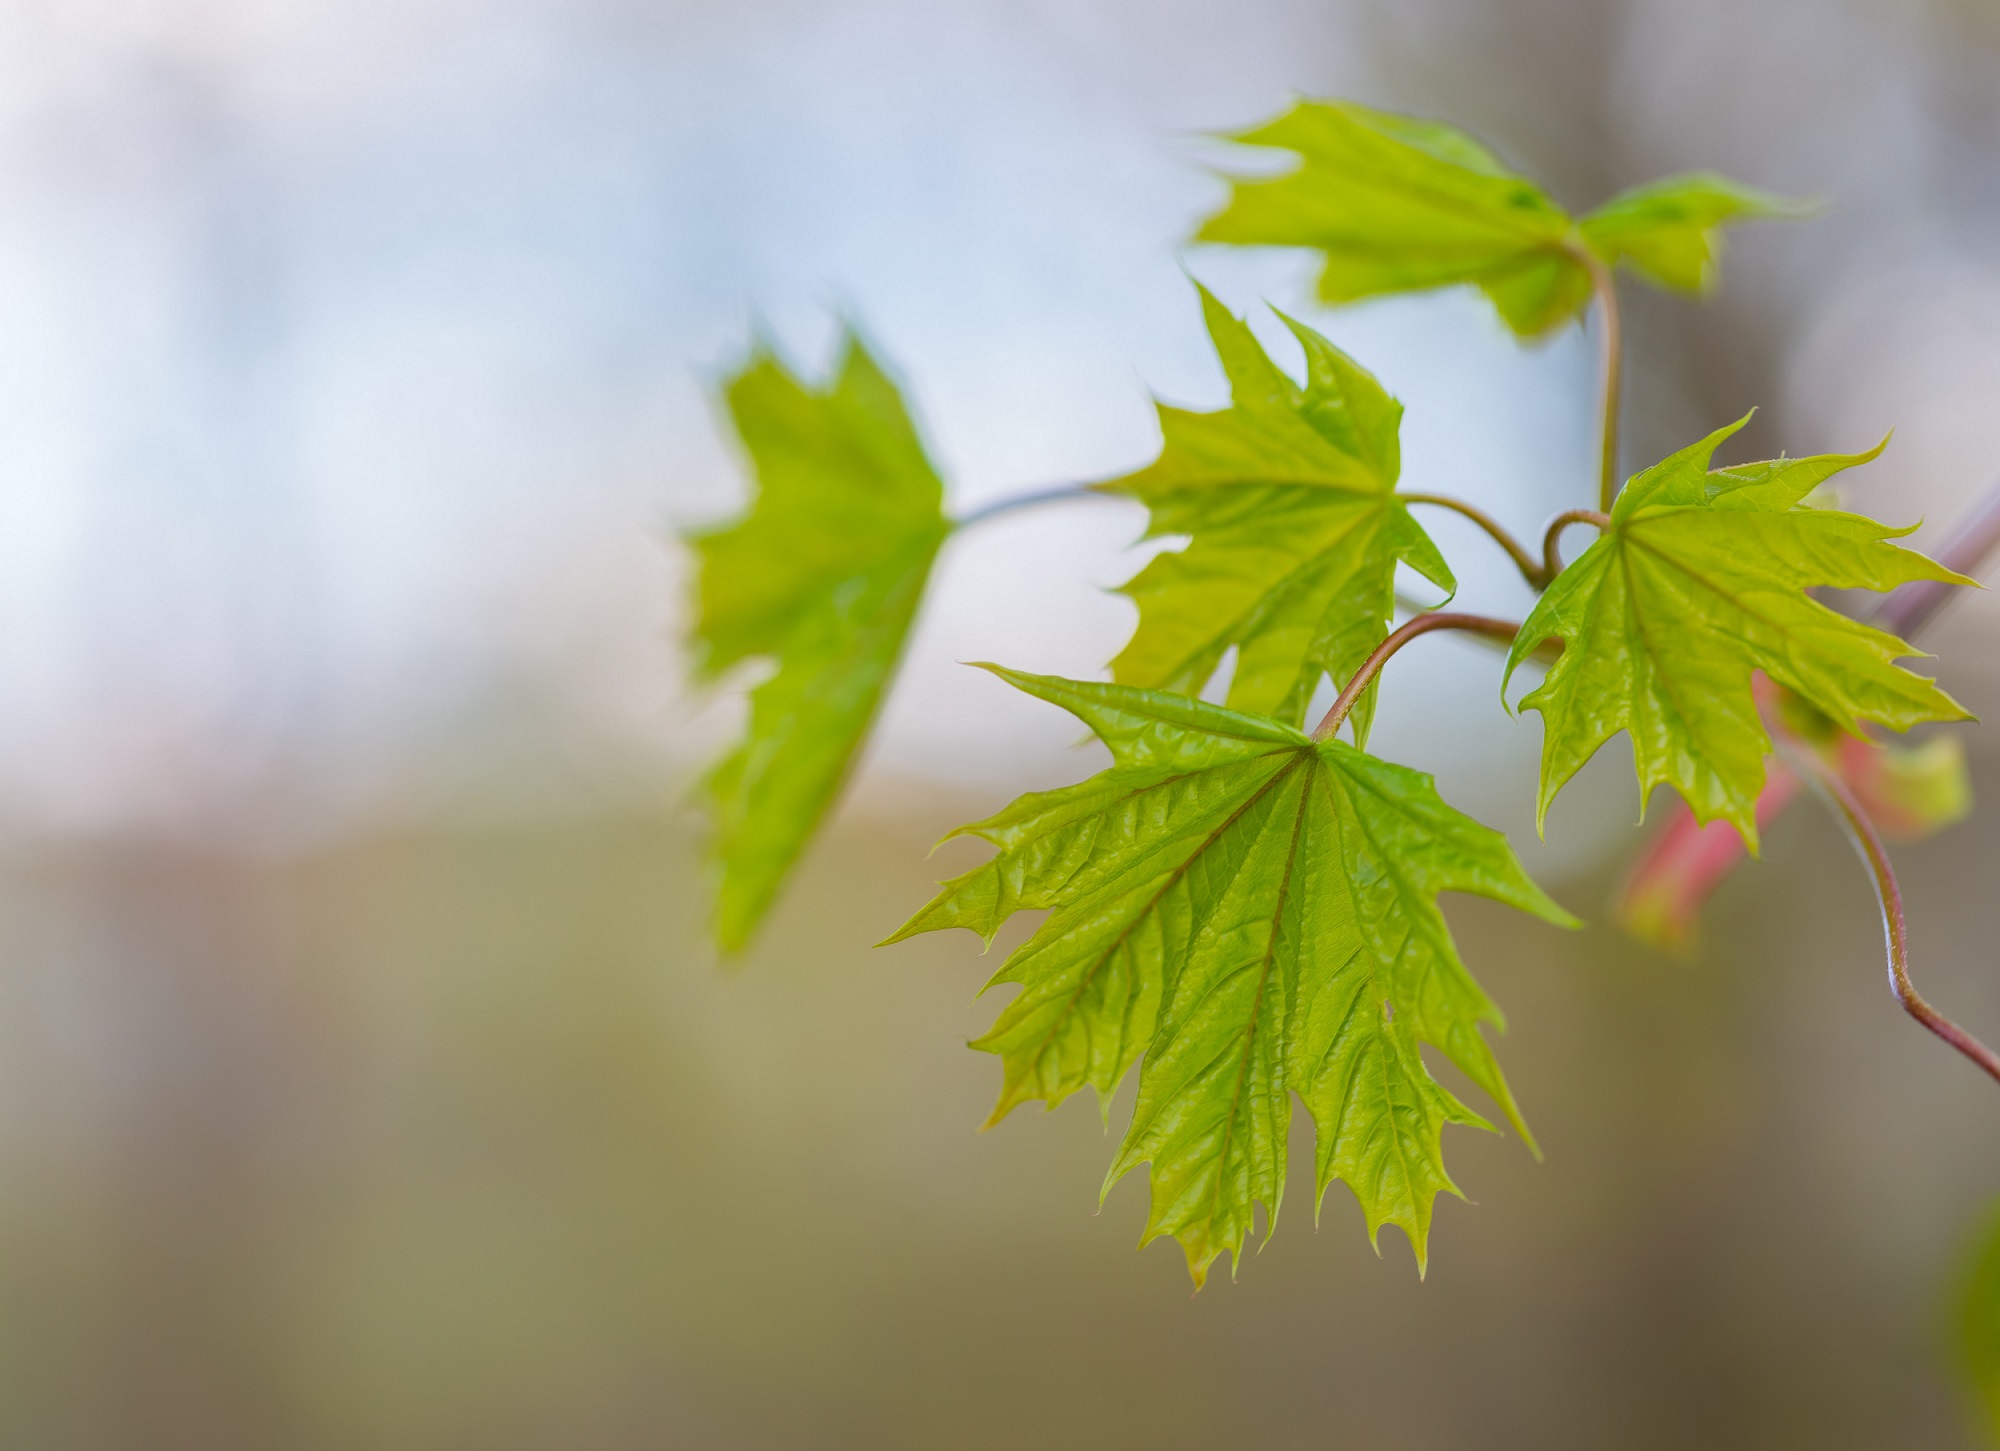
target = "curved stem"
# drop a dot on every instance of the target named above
(1523, 561)
(1033, 499)
(1610, 368)
(1372, 666)
(1861, 831)
(1552, 560)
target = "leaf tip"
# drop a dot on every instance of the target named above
(1004, 1105)
(1557, 915)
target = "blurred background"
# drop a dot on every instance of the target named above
(365, 1080)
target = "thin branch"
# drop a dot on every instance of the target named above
(1552, 560)
(1421, 625)
(1861, 831)
(1031, 500)
(1523, 561)
(1610, 368)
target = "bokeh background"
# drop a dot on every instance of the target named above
(365, 1080)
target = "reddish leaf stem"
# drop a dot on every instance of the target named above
(1401, 636)
(1518, 552)
(1868, 843)
(1552, 560)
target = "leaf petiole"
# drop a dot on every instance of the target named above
(1401, 636)
(1868, 844)
(1523, 561)
(1033, 499)
(1552, 560)
(1610, 366)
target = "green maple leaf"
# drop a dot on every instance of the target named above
(1397, 204)
(1296, 531)
(1669, 231)
(1698, 582)
(1255, 914)
(823, 575)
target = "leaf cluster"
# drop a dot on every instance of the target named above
(1245, 913)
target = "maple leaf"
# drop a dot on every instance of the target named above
(1397, 204)
(1255, 913)
(1295, 530)
(1669, 231)
(823, 575)
(1697, 583)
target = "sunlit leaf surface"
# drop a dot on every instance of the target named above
(1700, 582)
(1253, 914)
(1295, 531)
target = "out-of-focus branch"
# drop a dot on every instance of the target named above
(1906, 610)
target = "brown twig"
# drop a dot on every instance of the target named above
(1401, 636)
(1868, 844)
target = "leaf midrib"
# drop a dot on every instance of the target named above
(1167, 884)
(1250, 1037)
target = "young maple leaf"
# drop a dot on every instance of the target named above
(1669, 231)
(823, 575)
(1295, 530)
(1698, 582)
(1255, 913)
(1397, 204)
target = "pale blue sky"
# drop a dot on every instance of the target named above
(354, 358)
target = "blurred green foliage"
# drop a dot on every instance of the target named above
(1398, 204)
(821, 577)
